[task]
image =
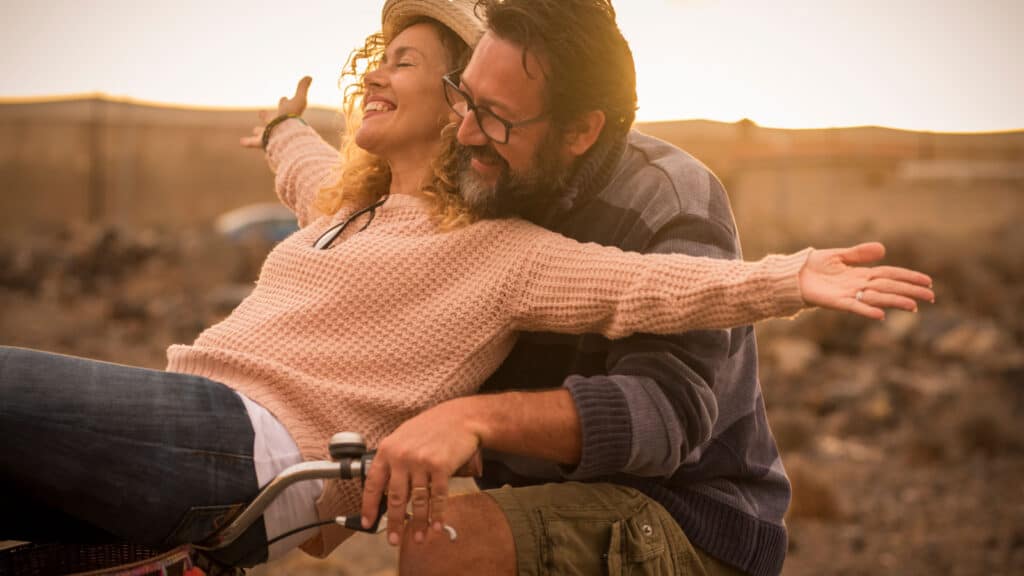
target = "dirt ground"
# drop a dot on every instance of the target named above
(903, 439)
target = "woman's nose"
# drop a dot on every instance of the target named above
(375, 77)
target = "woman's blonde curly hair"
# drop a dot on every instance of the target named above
(365, 178)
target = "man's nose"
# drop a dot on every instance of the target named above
(469, 133)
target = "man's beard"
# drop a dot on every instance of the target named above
(524, 194)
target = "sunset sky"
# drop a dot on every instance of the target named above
(946, 65)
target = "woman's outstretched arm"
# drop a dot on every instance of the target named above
(301, 160)
(569, 287)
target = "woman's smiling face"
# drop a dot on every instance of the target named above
(403, 106)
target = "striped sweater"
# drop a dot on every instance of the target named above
(680, 417)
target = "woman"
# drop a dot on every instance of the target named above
(389, 299)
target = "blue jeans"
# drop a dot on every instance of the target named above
(95, 452)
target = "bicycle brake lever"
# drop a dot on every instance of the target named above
(356, 522)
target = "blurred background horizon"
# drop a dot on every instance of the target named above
(933, 65)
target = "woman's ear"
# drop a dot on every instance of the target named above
(583, 132)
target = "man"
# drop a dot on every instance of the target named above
(668, 434)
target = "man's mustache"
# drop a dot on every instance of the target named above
(486, 154)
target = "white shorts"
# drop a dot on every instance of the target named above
(273, 451)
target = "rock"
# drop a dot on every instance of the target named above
(849, 450)
(971, 340)
(123, 309)
(932, 323)
(814, 496)
(794, 431)
(23, 268)
(854, 537)
(926, 450)
(975, 284)
(793, 355)
(925, 384)
(833, 333)
(892, 333)
(843, 382)
(981, 434)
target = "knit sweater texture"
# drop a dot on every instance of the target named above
(400, 316)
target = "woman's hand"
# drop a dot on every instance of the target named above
(836, 279)
(295, 105)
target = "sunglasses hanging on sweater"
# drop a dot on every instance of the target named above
(331, 234)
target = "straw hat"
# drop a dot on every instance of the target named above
(459, 15)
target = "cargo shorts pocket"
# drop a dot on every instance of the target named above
(591, 542)
(637, 547)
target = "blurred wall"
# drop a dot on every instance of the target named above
(790, 187)
(112, 162)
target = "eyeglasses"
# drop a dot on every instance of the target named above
(493, 126)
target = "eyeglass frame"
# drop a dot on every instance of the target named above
(471, 106)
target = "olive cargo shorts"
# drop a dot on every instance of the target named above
(575, 528)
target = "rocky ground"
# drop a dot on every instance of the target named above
(903, 439)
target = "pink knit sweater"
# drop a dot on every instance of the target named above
(400, 316)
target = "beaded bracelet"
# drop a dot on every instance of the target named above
(270, 126)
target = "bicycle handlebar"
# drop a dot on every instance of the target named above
(350, 461)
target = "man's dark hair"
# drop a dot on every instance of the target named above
(589, 65)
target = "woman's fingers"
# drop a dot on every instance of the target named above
(902, 274)
(861, 308)
(865, 253)
(888, 300)
(297, 103)
(302, 89)
(901, 288)
(254, 141)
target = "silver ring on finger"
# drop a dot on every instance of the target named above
(859, 296)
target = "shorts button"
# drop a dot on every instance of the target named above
(647, 530)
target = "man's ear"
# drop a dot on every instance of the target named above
(583, 132)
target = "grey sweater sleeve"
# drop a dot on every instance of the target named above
(656, 404)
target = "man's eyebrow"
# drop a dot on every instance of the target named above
(485, 102)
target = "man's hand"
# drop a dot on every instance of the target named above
(295, 105)
(835, 279)
(415, 462)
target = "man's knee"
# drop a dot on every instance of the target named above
(483, 543)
